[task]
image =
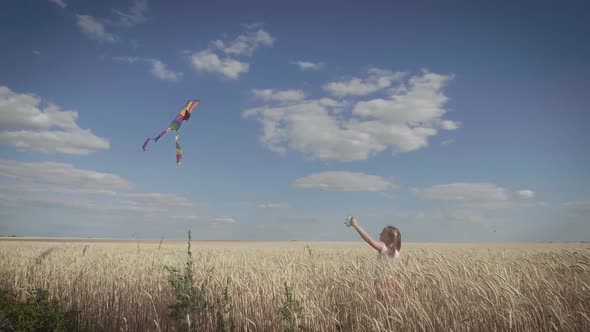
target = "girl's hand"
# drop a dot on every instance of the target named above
(353, 222)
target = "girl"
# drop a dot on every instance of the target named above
(388, 253)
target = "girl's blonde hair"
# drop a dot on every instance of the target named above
(396, 235)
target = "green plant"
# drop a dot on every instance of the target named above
(224, 311)
(291, 311)
(191, 301)
(38, 312)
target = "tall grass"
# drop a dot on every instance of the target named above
(115, 287)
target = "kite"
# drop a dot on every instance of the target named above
(183, 115)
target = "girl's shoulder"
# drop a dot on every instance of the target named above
(385, 250)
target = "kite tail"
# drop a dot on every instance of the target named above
(178, 151)
(145, 143)
(155, 139)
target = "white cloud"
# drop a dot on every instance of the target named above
(459, 216)
(319, 128)
(465, 192)
(133, 16)
(472, 217)
(128, 59)
(223, 221)
(449, 125)
(84, 191)
(62, 177)
(526, 194)
(577, 205)
(420, 103)
(54, 202)
(305, 65)
(158, 68)
(160, 71)
(309, 127)
(19, 186)
(78, 142)
(273, 206)
(93, 29)
(245, 44)
(474, 195)
(69, 203)
(278, 95)
(60, 3)
(207, 61)
(158, 199)
(344, 181)
(212, 221)
(377, 80)
(25, 126)
(447, 141)
(189, 217)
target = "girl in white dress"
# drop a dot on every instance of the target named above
(388, 248)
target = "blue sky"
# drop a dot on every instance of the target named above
(459, 121)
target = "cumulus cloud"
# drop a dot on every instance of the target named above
(78, 204)
(278, 95)
(246, 43)
(344, 181)
(51, 184)
(84, 204)
(472, 217)
(187, 217)
(321, 129)
(160, 71)
(305, 65)
(60, 3)
(577, 205)
(223, 221)
(62, 177)
(207, 61)
(526, 194)
(447, 141)
(227, 65)
(273, 206)
(94, 29)
(212, 221)
(465, 192)
(449, 125)
(24, 125)
(158, 199)
(475, 194)
(157, 67)
(134, 15)
(377, 80)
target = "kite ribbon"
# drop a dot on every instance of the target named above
(178, 151)
(155, 139)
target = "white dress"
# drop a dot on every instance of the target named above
(385, 262)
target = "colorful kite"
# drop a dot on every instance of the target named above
(183, 115)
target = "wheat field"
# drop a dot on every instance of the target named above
(309, 286)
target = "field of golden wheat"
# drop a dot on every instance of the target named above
(308, 286)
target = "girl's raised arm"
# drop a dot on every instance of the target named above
(375, 244)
